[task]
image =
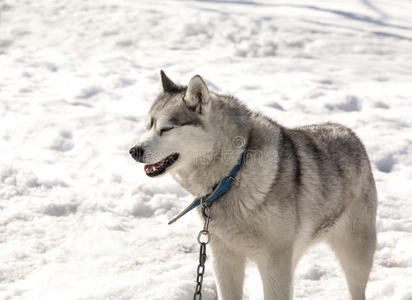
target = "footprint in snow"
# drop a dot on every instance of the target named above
(276, 105)
(124, 82)
(350, 104)
(124, 43)
(386, 163)
(326, 82)
(141, 209)
(110, 32)
(313, 273)
(6, 43)
(381, 105)
(63, 142)
(60, 210)
(89, 92)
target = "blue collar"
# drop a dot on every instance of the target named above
(221, 189)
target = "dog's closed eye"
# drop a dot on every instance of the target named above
(164, 130)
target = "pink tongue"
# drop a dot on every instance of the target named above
(151, 168)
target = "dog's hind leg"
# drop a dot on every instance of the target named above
(229, 269)
(353, 240)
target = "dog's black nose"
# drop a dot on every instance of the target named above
(137, 153)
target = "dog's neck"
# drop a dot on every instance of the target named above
(261, 158)
(201, 177)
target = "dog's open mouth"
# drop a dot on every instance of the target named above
(161, 166)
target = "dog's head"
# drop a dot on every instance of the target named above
(176, 134)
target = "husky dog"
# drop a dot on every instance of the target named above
(295, 187)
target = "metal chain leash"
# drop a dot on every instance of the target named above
(203, 239)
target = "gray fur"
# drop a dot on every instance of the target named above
(297, 186)
(168, 85)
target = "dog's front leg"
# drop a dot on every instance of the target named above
(275, 269)
(229, 268)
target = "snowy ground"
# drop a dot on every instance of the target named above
(80, 220)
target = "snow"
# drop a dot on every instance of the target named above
(80, 220)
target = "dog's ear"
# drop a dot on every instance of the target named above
(197, 94)
(168, 85)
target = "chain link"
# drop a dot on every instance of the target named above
(203, 239)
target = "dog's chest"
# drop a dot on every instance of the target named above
(240, 233)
